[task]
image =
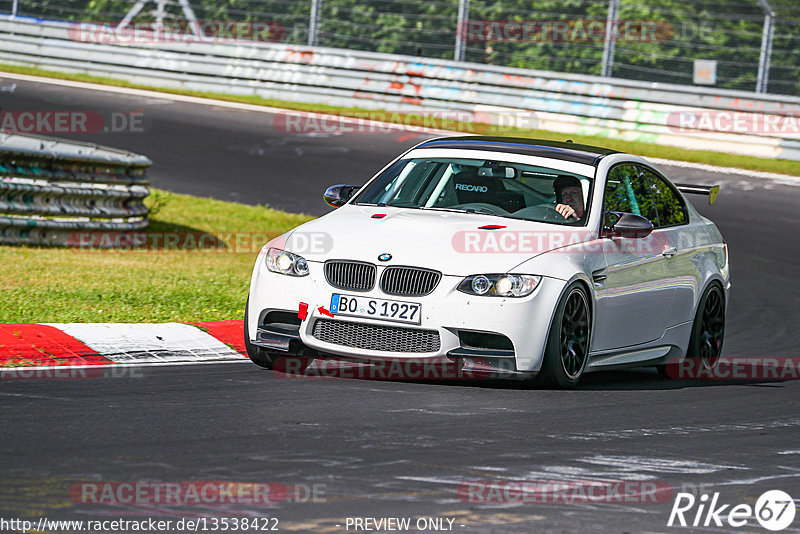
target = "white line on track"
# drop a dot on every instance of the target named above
(101, 366)
(613, 435)
(29, 396)
(789, 179)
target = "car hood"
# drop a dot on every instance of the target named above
(449, 242)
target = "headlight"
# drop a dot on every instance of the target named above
(500, 285)
(284, 262)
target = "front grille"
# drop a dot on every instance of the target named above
(409, 281)
(376, 337)
(352, 275)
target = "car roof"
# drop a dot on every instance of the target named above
(566, 151)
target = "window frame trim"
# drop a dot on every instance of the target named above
(677, 193)
(603, 209)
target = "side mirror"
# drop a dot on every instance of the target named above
(338, 195)
(628, 225)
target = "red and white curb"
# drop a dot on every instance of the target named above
(89, 344)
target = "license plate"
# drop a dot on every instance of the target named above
(388, 310)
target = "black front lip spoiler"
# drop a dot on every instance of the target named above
(497, 362)
(467, 352)
(278, 337)
(285, 339)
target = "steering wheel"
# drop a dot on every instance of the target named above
(543, 212)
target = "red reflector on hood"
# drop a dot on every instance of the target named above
(379, 216)
(491, 227)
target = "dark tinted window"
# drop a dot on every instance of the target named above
(669, 205)
(628, 191)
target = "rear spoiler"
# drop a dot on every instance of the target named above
(711, 190)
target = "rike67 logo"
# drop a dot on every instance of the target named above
(774, 510)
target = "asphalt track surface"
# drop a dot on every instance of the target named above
(378, 448)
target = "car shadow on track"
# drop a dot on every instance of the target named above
(649, 379)
(635, 379)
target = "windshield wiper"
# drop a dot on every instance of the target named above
(463, 210)
(487, 212)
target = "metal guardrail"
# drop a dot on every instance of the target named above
(570, 104)
(51, 190)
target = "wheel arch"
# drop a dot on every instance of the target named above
(583, 280)
(552, 373)
(714, 279)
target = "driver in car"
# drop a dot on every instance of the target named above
(569, 195)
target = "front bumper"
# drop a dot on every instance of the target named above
(447, 311)
(466, 362)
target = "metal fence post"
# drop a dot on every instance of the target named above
(14, 9)
(313, 22)
(461, 30)
(766, 46)
(611, 38)
(161, 12)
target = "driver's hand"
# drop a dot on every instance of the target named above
(566, 211)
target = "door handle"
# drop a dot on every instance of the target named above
(669, 252)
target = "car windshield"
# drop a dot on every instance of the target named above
(489, 187)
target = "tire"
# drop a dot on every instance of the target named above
(708, 333)
(567, 348)
(708, 330)
(257, 355)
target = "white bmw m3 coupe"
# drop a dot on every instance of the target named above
(528, 258)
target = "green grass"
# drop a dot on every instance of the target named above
(70, 285)
(634, 147)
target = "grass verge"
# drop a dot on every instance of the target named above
(633, 147)
(156, 285)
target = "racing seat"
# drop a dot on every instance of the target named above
(471, 188)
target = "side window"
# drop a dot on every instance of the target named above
(418, 176)
(669, 205)
(627, 190)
